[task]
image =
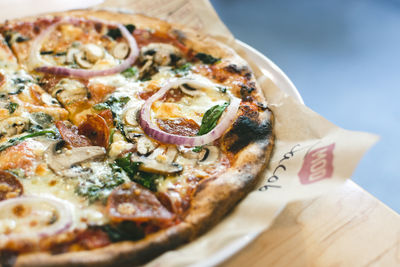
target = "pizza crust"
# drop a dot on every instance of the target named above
(214, 197)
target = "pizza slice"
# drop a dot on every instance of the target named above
(138, 136)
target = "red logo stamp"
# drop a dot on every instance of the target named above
(317, 165)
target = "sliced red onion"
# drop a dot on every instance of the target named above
(35, 59)
(62, 224)
(153, 131)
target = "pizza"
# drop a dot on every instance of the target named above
(121, 137)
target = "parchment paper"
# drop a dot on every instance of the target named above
(311, 155)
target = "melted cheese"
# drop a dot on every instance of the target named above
(44, 182)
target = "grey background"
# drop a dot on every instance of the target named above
(344, 58)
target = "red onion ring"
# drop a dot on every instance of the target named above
(153, 131)
(63, 223)
(34, 57)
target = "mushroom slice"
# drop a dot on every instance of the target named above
(164, 154)
(145, 145)
(120, 50)
(80, 59)
(171, 154)
(188, 153)
(70, 58)
(60, 161)
(13, 125)
(131, 116)
(93, 52)
(68, 91)
(208, 155)
(189, 90)
(153, 166)
(162, 54)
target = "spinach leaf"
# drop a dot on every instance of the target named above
(211, 117)
(116, 105)
(126, 230)
(130, 27)
(46, 52)
(99, 187)
(222, 89)
(184, 69)
(145, 179)
(101, 106)
(197, 149)
(41, 120)
(116, 33)
(20, 84)
(207, 59)
(12, 107)
(125, 163)
(16, 140)
(130, 72)
(21, 39)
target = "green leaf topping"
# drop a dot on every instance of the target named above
(126, 230)
(12, 107)
(116, 105)
(211, 118)
(183, 69)
(99, 187)
(130, 72)
(145, 179)
(16, 140)
(197, 149)
(206, 58)
(116, 33)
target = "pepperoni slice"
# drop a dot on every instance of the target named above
(70, 135)
(107, 116)
(133, 202)
(96, 129)
(9, 186)
(2, 79)
(180, 126)
(93, 238)
(173, 201)
(146, 94)
(173, 95)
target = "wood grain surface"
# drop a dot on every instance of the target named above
(347, 227)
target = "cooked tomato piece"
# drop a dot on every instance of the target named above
(96, 129)
(9, 186)
(133, 202)
(70, 135)
(180, 126)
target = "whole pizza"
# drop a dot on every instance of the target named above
(121, 137)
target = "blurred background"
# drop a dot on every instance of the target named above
(344, 58)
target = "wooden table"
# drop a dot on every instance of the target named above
(347, 227)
